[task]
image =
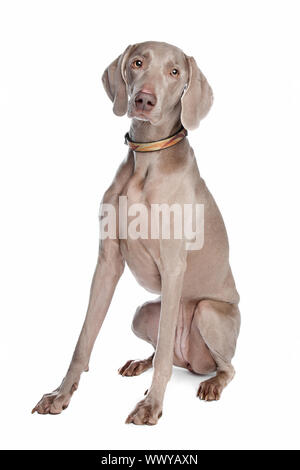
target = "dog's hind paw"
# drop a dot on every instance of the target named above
(133, 368)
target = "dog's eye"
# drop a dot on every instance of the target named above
(175, 72)
(137, 64)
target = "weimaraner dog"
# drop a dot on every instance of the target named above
(195, 321)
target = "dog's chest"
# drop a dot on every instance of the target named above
(140, 183)
(136, 189)
(139, 249)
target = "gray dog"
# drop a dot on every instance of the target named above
(195, 321)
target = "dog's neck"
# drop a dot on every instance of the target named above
(144, 131)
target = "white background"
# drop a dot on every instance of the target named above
(60, 146)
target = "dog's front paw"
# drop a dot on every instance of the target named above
(54, 403)
(147, 411)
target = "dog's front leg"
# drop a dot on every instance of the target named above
(172, 265)
(109, 268)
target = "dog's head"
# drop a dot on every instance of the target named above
(159, 79)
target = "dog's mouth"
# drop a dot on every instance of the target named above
(150, 116)
(141, 115)
(147, 117)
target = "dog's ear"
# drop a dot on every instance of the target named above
(115, 85)
(197, 99)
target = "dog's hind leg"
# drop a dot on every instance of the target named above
(145, 326)
(218, 324)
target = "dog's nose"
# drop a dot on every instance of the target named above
(145, 101)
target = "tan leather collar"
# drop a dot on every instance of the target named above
(158, 144)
